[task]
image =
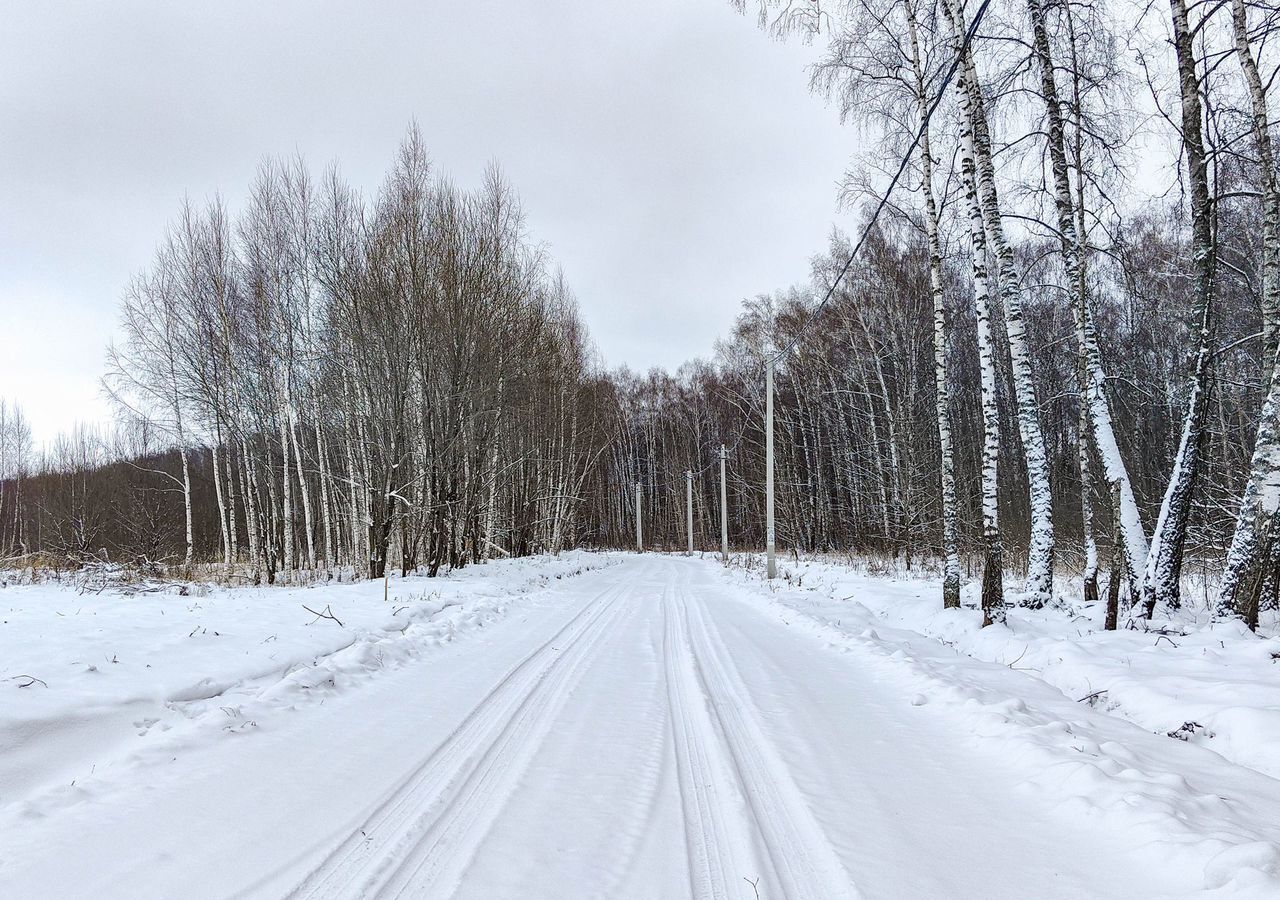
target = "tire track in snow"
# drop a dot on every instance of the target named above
(652, 771)
(442, 855)
(719, 847)
(427, 827)
(802, 863)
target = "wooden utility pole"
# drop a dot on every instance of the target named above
(688, 506)
(724, 511)
(771, 565)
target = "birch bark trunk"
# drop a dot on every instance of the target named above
(993, 603)
(942, 382)
(1258, 506)
(286, 501)
(252, 522)
(490, 505)
(303, 489)
(230, 481)
(1096, 411)
(322, 453)
(1160, 581)
(1039, 585)
(223, 534)
(186, 493)
(1088, 543)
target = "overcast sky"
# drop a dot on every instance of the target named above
(667, 152)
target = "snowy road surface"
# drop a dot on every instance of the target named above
(642, 731)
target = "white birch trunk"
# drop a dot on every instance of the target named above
(228, 474)
(186, 495)
(1160, 582)
(1261, 499)
(223, 533)
(993, 576)
(322, 453)
(490, 506)
(286, 501)
(303, 489)
(942, 382)
(1267, 179)
(253, 523)
(1088, 542)
(186, 469)
(1039, 585)
(1096, 411)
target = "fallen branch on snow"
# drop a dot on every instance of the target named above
(327, 614)
(31, 679)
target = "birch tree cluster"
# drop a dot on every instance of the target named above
(1056, 354)
(331, 383)
(15, 460)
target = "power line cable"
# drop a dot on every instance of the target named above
(902, 167)
(884, 200)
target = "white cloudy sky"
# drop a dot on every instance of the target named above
(668, 152)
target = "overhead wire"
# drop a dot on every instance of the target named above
(897, 176)
(961, 53)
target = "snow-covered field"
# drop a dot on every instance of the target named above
(85, 674)
(610, 725)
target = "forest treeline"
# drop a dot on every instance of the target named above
(1054, 355)
(327, 382)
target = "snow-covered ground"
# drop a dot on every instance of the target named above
(1029, 692)
(84, 674)
(1215, 684)
(613, 725)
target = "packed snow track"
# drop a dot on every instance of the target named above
(645, 731)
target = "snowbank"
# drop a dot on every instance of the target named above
(82, 675)
(1037, 688)
(1213, 684)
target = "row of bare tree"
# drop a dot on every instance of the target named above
(400, 381)
(1047, 346)
(1052, 350)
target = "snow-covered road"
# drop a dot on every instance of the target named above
(644, 731)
